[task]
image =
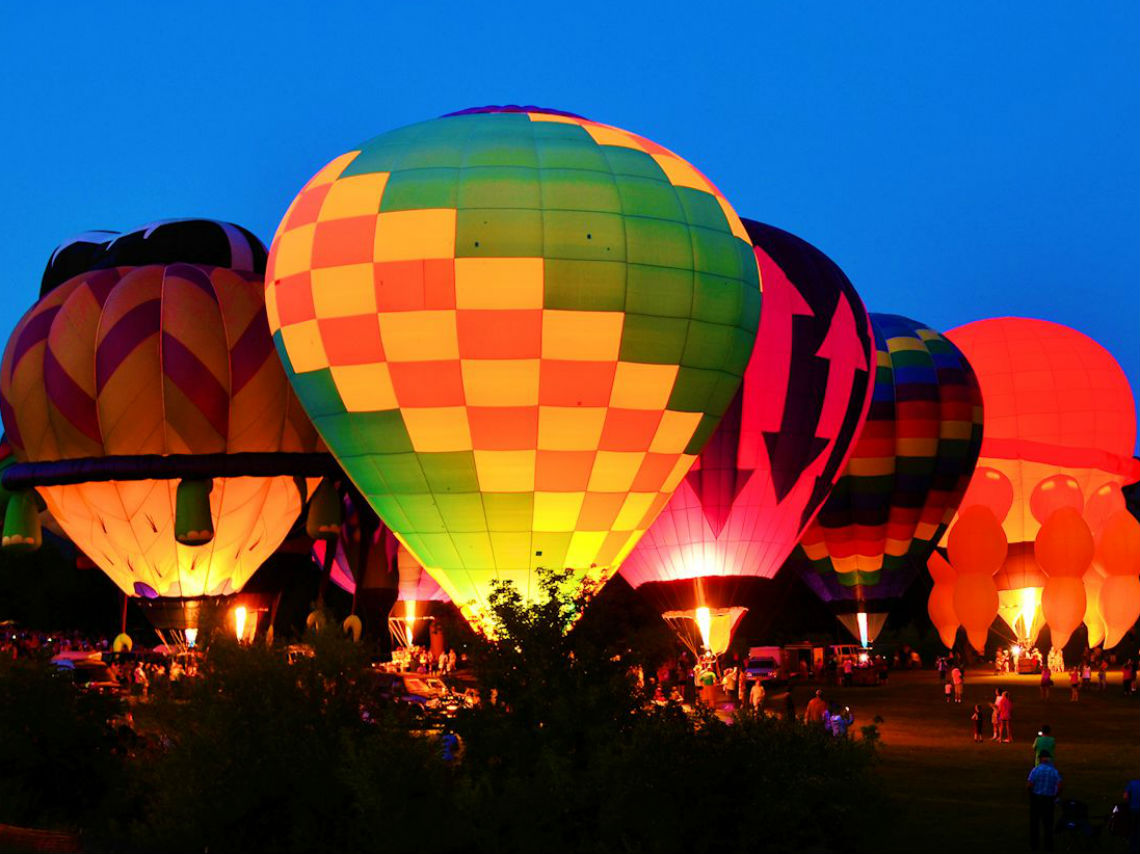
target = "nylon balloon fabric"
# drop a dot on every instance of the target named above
(911, 465)
(515, 328)
(772, 462)
(144, 355)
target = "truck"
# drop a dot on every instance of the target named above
(764, 663)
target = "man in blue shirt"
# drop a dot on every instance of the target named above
(1044, 785)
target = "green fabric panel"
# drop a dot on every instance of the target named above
(417, 189)
(742, 345)
(653, 340)
(584, 285)
(450, 471)
(701, 435)
(659, 291)
(649, 196)
(422, 512)
(499, 187)
(750, 311)
(375, 158)
(499, 150)
(498, 233)
(911, 358)
(702, 209)
(717, 299)
(708, 345)
(629, 161)
(658, 242)
(316, 389)
(390, 511)
(749, 268)
(572, 154)
(692, 389)
(508, 511)
(432, 154)
(440, 551)
(355, 434)
(579, 190)
(549, 134)
(583, 235)
(716, 252)
(725, 388)
(463, 511)
(474, 549)
(402, 472)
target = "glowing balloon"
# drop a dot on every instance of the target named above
(1118, 554)
(1020, 583)
(977, 549)
(1064, 544)
(767, 469)
(910, 466)
(516, 329)
(158, 346)
(1093, 618)
(1059, 492)
(940, 605)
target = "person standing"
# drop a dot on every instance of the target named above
(1127, 674)
(1044, 785)
(756, 698)
(1086, 675)
(816, 709)
(978, 717)
(995, 716)
(1005, 717)
(959, 681)
(1046, 682)
(1102, 675)
(1075, 685)
(1044, 743)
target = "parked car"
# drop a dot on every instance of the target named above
(429, 696)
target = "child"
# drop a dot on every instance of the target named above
(946, 689)
(1102, 675)
(1075, 685)
(977, 717)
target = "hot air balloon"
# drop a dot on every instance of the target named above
(911, 465)
(144, 404)
(741, 509)
(1060, 427)
(515, 329)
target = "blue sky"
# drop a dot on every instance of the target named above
(959, 161)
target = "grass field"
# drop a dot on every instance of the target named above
(946, 793)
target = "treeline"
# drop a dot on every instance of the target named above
(260, 755)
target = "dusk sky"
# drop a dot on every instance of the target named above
(958, 161)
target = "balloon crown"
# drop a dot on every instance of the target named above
(511, 108)
(188, 241)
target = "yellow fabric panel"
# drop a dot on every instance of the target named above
(734, 223)
(331, 170)
(605, 135)
(442, 428)
(870, 467)
(511, 548)
(356, 195)
(589, 336)
(681, 174)
(674, 431)
(894, 345)
(556, 511)
(365, 388)
(639, 386)
(304, 345)
(415, 235)
(583, 548)
(505, 283)
(500, 382)
(343, 291)
(293, 251)
(684, 463)
(570, 428)
(418, 336)
(505, 471)
(614, 471)
(551, 117)
(633, 510)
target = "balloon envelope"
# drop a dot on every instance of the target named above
(515, 328)
(763, 475)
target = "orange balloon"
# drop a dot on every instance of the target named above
(1064, 545)
(1104, 501)
(1094, 620)
(1053, 493)
(977, 543)
(976, 605)
(990, 488)
(1118, 551)
(1020, 569)
(1120, 607)
(1063, 602)
(940, 606)
(940, 570)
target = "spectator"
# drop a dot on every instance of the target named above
(1102, 675)
(1045, 743)
(816, 709)
(1044, 785)
(978, 717)
(1005, 717)
(756, 697)
(1074, 685)
(959, 681)
(1046, 682)
(1127, 675)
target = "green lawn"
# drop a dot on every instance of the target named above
(946, 793)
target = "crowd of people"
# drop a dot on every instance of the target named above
(30, 643)
(418, 659)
